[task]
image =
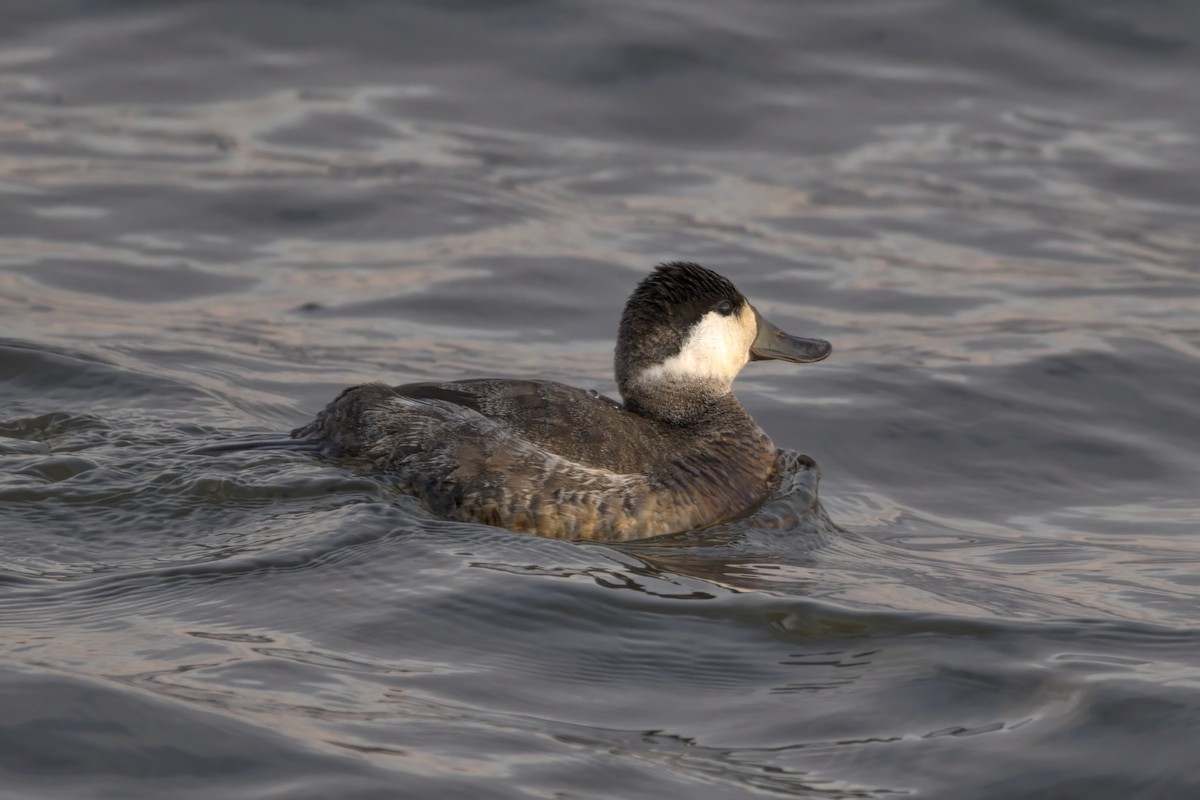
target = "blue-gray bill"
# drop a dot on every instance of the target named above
(772, 343)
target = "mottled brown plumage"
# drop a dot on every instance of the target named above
(538, 456)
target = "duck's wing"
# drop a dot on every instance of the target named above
(582, 426)
(587, 428)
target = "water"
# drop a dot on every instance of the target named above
(214, 216)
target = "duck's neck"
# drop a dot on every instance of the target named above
(685, 403)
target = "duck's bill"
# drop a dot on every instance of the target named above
(772, 343)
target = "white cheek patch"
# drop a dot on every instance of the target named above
(715, 351)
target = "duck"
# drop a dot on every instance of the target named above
(679, 454)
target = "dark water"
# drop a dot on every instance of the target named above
(214, 215)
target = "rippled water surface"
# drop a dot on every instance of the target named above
(215, 215)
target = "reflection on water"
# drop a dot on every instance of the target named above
(215, 216)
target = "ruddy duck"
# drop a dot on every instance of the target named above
(680, 454)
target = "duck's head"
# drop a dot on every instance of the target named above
(685, 335)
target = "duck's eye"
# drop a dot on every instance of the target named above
(724, 308)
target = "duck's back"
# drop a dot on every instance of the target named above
(585, 427)
(549, 458)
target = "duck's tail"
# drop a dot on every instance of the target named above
(270, 441)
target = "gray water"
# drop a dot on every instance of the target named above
(215, 215)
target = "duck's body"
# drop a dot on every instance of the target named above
(552, 459)
(680, 454)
